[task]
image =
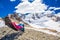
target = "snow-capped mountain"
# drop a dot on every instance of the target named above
(39, 19)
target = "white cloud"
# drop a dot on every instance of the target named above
(24, 0)
(51, 8)
(12, 0)
(57, 8)
(27, 7)
(35, 7)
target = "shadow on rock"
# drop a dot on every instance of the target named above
(12, 36)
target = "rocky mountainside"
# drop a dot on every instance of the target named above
(32, 32)
(36, 20)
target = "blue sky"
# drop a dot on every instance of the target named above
(7, 6)
(52, 3)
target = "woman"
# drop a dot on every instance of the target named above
(13, 24)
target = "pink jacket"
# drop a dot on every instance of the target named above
(16, 26)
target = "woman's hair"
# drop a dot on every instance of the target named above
(7, 19)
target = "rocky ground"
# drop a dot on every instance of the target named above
(7, 33)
